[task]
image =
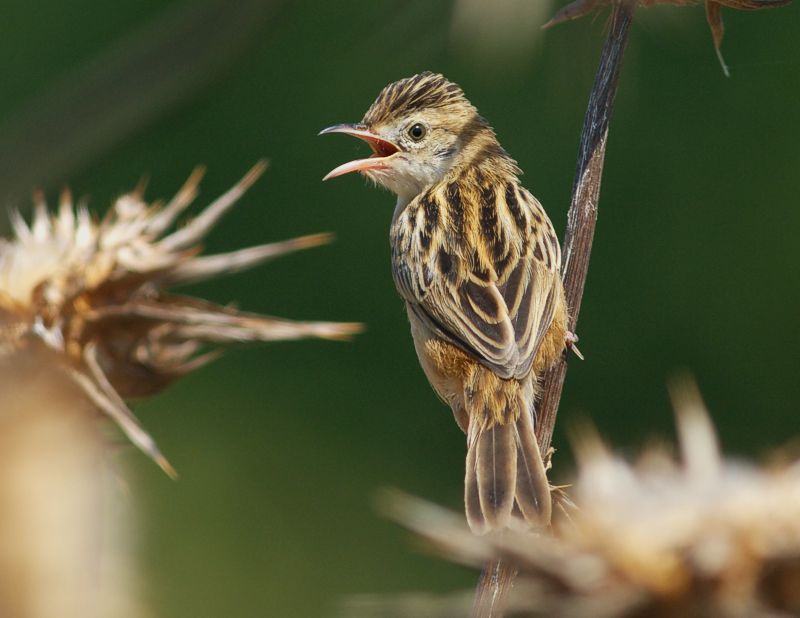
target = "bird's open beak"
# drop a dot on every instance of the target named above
(382, 150)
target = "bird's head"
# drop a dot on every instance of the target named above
(419, 128)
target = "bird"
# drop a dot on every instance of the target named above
(477, 262)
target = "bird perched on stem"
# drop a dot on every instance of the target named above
(477, 261)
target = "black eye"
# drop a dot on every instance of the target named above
(417, 132)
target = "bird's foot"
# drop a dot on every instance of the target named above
(569, 341)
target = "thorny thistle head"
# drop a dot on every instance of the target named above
(701, 537)
(93, 295)
(420, 128)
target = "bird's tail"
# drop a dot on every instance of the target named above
(505, 477)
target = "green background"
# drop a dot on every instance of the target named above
(281, 448)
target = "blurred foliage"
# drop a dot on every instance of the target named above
(696, 264)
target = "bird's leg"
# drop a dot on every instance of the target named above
(570, 339)
(547, 459)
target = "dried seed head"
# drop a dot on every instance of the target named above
(95, 294)
(704, 536)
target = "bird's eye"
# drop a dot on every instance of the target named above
(417, 132)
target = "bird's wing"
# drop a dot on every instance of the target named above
(495, 299)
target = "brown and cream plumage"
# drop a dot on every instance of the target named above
(477, 261)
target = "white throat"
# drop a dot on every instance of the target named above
(408, 178)
(400, 205)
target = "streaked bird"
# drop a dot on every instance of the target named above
(477, 262)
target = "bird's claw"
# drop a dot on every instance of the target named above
(569, 341)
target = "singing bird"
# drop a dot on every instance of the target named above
(477, 262)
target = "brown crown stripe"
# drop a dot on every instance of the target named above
(423, 91)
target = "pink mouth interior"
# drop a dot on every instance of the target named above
(381, 148)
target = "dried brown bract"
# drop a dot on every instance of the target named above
(94, 295)
(700, 536)
(579, 8)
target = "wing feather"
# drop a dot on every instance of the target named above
(499, 318)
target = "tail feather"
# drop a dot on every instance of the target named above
(505, 475)
(533, 488)
(491, 476)
(497, 473)
(475, 518)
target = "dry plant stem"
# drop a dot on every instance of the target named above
(498, 577)
(582, 214)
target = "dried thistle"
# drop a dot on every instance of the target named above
(94, 295)
(703, 536)
(579, 8)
